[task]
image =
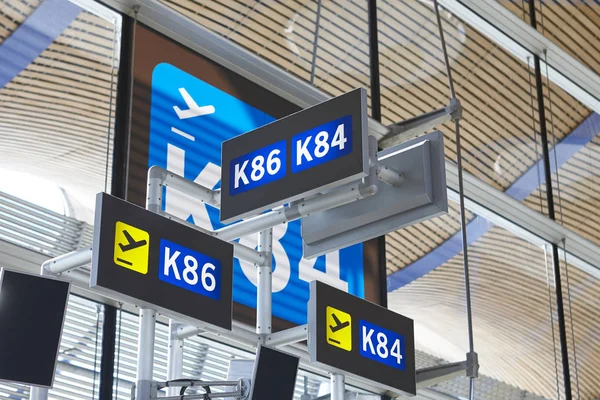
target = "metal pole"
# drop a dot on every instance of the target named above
(315, 43)
(145, 356)
(338, 386)
(562, 328)
(374, 61)
(297, 210)
(68, 261)
(107, 362)
(175, 358)
(265, 284)
(463, 223)
(37, 393)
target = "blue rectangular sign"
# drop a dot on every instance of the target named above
(258, 168)
(382, 345)
(189, 269)
(322, 144)
(189, 119)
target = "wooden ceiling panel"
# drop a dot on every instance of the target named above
(55, 116)
(513, 312)
(572, 25)
(12, 15)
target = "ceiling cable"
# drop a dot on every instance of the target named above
(461, 193)
(560, 207)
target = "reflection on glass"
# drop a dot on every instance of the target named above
(513, 310)
(572, 25)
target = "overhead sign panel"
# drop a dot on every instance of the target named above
(356, 337)
(295, 157)
(161, 264)
(422, 195)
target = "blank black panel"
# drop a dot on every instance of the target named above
(274, 376)
(32, 312)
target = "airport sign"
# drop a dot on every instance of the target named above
(362, 339)
(294, 157)
(161, 264)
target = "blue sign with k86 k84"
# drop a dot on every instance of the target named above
(189, 119)
(382, 345)
(189, 269)
(258, 168)
(322, 144)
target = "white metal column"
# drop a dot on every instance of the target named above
(265, 284)
(145, 356)
(338, 386)
(175, 357)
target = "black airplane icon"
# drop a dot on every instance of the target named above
(131, 243)
(338, 324)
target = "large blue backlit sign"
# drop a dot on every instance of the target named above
(189, 121)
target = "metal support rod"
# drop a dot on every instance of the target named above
(145, 354)
(440, 373)
(175, 356)
(232, 395)
(197, 383)
(184, 332)
(315, 43)
(179, 183)
(287, 336)
(374, 61)
(239, 250)
(338, 386)
(463, 223)
(37, 393)
(298, 210)
(265, 284)
(416, 126)
(66, 262)
(389, 175)
(562, 328)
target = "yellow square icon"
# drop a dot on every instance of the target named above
(131, 247)
(339, 328)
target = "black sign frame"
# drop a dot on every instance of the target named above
(147, 290)
(352, 362)
(295, 186)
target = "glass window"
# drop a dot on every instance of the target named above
(57, 101)
(572, 25)
(513, 300)
(283, 32)
(581, 292)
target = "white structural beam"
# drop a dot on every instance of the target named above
(487, 16)
(514, 216)
(516, 36)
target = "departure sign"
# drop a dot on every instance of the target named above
(162, 264)
(360, 338)
(295, 157)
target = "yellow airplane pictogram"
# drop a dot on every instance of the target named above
(131, 247)
(339, 328)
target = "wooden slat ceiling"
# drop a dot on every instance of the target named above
(494, 87)
(576, 203)
(55, 115)
(13, 14)
(573, 25)
(511, 313)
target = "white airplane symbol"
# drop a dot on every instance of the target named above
(193, 109)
